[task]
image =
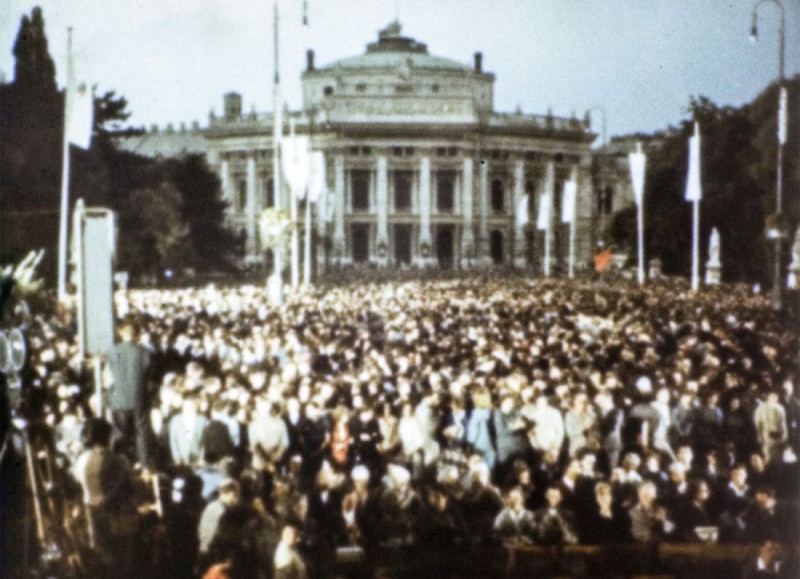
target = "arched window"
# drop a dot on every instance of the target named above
(498, 196)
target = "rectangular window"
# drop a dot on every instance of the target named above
(402, 190)
(269, 192)
(359, 190)
(445, 191)
(241, 197)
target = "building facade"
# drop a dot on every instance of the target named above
(420, 168)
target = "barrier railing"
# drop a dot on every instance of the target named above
(467, 561)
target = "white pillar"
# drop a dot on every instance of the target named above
(225, 180)
(483, 215)
(339, 244)
(425, 212)
(467, 231)
(519, 229)
(382, 248)
(250, 207)
(550, 186)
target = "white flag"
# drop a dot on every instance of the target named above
(296, 164)
(568, 202)
(638, 163)
(543, 219)
(79, 116)
(522, 211)
(694, 191)
(782, 116)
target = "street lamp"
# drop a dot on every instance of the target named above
(782, 121)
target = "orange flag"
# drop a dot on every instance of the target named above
(602, 260)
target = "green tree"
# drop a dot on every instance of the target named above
(738, 152)
(210, 245)
(31, 121)
(169, 213)
(151, 231)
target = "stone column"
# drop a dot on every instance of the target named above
(225, 180)
(584, 211)
(251, 244)
(382, 186)
(519, 224)
(468, 229)
(425, 241)
(483, 215)
(339, 244)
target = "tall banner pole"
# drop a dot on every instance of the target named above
(694, 193)
(277, 135)
(695, 244)
(544, 219)
(307, 252)
(293, 214)
(640, 243)
(638, 164)
(568, 216)
(547, 252)
(64, 217)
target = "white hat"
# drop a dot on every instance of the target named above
(644, 385)
(399, 474)
(360, 472)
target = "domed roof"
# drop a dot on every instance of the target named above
(394, 50)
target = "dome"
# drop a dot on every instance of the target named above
(393, 51)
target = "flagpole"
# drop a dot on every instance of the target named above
(573, 200)
(307, 245)
(277, 134)
(695, 244)
(307, 256)
(547, 251)
(640, 241)
(572, 249)
(63, 222)
(293, 215)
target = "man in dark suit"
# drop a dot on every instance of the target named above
(324, 525)
(129, 363)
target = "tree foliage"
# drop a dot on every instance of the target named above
(738, 159)
(169, 212)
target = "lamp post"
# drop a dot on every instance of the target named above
(776, 232)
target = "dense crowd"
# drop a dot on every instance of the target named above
(250, 441)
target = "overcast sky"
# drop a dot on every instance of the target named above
(640, 60)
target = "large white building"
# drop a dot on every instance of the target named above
(422, 170)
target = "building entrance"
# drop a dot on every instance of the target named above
(402, 244)
(444, 246)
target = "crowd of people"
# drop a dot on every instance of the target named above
(237, 439)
